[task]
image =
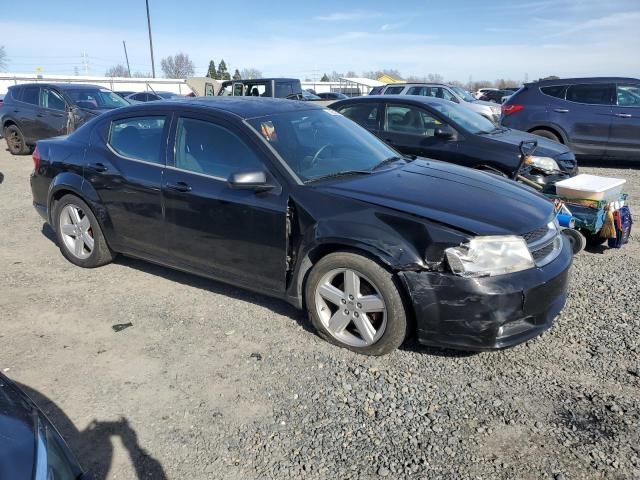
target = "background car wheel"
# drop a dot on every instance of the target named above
(593, 239)
(576, 240)
(547, 134)
(79, 235)
(355, 303)
(15, 141)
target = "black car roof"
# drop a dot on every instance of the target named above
(406, 99)
(61, 86)
(243, 107)
(587, 80)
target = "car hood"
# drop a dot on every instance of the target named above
(464, 199)
(546, 147)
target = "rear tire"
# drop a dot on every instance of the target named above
(547, 134)
(355, 303)
(15, 141)
(79, 235)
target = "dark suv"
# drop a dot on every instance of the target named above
(34, 111)
(596, 117)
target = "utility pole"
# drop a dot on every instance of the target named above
(153, 67)
(124, 44)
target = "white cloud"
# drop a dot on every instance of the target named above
(347, 16)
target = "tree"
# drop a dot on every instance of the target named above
(350, 74)
(374, 75)
(325, 78)
(212, 72)
(117, 71)
(141, 75)
(3, 58)
(178, 66)
(251, 73)
(236, 75)
(223, 73)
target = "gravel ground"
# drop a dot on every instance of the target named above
(217, 383)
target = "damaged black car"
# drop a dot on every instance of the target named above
(295, 201)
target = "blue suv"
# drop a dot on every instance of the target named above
(597, 117)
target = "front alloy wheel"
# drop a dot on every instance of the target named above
(351, 308)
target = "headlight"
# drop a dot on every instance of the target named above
(547, 164)
(489, 256)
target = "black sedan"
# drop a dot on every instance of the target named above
(332, 96)
(30, 446)
(295, 201)
(439, 129)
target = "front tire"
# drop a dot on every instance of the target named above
(15, 141)
(79, 235)
(355, 303)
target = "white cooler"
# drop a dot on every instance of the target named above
(591, 187)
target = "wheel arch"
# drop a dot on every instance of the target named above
(557, 131)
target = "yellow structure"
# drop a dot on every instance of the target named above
(389, 79)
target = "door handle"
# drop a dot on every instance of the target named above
(98, 167)
(179, 187)
(561, 110)
(623, 115)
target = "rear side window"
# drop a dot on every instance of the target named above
(31, 95)
(557, 91)
(592, 94)
(283, 89)
(139, 138)
(365, 114)
(14, 93)
(393, 90)
(210, 149)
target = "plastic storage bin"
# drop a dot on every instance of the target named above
(591, 187)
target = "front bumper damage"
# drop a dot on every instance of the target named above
(487, 313)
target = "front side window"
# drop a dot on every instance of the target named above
(210, 149)
(393, 90)
(52, 100)
(592, 94)
(410, 121)
(31, 95)
(96, 98)
(628, 95)
(139, 138)
(365, 114)
(315, 143)
(557, 91)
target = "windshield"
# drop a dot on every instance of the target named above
(95, 99)
(470, 121)
(466, 96)
(317, 143)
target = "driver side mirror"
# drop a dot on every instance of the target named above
(255, 180)
(445, 133)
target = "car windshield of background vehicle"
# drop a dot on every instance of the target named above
(628, 95)
(96, 99)
(466, 96)
(470, 121)
(318, 143)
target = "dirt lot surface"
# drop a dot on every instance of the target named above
(214, 382)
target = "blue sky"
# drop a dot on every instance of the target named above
(458, 39)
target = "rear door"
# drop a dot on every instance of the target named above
(26, 112)
(411, 130)
(125, 167)
(53, 114)
(585, 116)
(624, 140)
(236, 235)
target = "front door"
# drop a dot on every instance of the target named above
(235, 235)
(624, 140)
(127, 175)
(412, 130)
(53, 114)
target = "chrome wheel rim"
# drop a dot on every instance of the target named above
(351, 307)
(76, 231)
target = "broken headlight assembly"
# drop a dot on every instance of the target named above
(490, 256)
(546, 164)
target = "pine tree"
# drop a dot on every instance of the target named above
(212, 73)
(325, 78)
(223, 74)
(236, 75)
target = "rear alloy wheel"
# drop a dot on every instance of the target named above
(354, 303)
(79, 236)
(547, 134)
(15, 141)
